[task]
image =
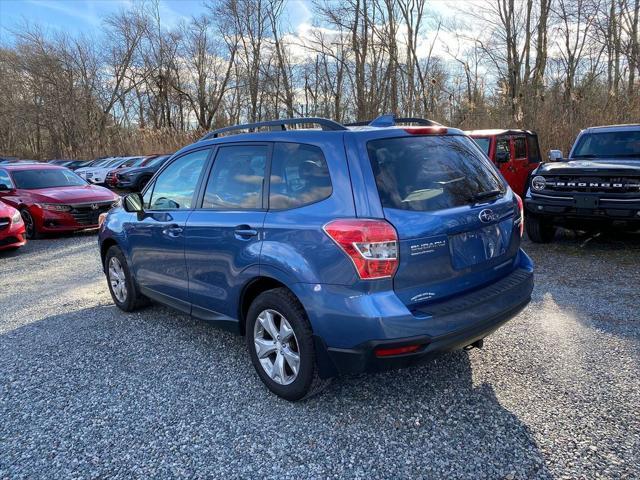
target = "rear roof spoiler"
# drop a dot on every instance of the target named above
(390, 120)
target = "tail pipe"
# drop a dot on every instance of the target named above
(476, 344)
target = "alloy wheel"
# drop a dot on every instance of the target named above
(117, 279)
(276, 347)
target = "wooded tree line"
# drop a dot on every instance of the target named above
(137, 86)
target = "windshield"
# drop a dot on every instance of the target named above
(133, 162)
(483, 143)
(114, 162)
(608, 145)
(157, 161)
(46, 178)
(427, 173)
(101, 163)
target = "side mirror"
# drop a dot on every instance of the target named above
(133, 203)
(555, 155)
(5, 188)
(502, 157)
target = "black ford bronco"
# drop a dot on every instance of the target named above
(597, 187)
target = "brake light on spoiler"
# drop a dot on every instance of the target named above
(372, 245)
(426, 130)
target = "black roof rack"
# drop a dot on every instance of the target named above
(324, 123)
(391, 120)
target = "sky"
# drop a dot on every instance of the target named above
(83, 16)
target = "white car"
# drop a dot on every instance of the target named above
(98, 172)
(95, 164)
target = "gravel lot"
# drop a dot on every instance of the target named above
(88, 391)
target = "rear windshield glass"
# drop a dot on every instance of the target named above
(34, 179)
(483, 143)
(430, 173)
(609, 145)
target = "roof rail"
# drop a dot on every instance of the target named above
(391, 120)
(324, 123)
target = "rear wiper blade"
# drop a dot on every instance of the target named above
(486, 195)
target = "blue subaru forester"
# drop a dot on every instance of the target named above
(333, 250)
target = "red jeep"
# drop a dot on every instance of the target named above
(515, 152)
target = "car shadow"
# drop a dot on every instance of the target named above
(103, 392)
(10, 253)
(31, 245)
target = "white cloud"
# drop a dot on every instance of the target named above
(85, 14)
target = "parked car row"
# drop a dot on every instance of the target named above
(70, 164)
(51, 198)
(135, 177)
(596, 188)
(64, 195)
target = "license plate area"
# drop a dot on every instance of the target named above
(586, 201)
(481, 245)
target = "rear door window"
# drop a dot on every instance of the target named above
(520, 147)
(299, 176)
(503, 150)
(534, 150)
(428, 173)
(237, 178)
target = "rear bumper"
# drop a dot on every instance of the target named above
(364, 359)
(437, 328)
(567, 211)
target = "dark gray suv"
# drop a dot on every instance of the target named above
(135, 178)
(597, 187)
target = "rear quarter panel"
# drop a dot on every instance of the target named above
(295, 248)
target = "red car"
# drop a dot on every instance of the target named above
(515, 152)
(12, 231)
(53, 199)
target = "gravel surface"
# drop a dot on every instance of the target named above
(88, 391)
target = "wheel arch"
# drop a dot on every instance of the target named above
(104, 247)
(250, 292)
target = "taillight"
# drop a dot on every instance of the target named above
(372, 245)
(521, 210)
(426, 130)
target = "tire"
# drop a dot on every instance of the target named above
(29, 224)
(122, 286)
(281, 304)
(539, 230)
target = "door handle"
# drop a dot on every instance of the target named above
(172, 231)
(245, 231)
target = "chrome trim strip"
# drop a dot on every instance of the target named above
(620, 200)
(550, 196)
